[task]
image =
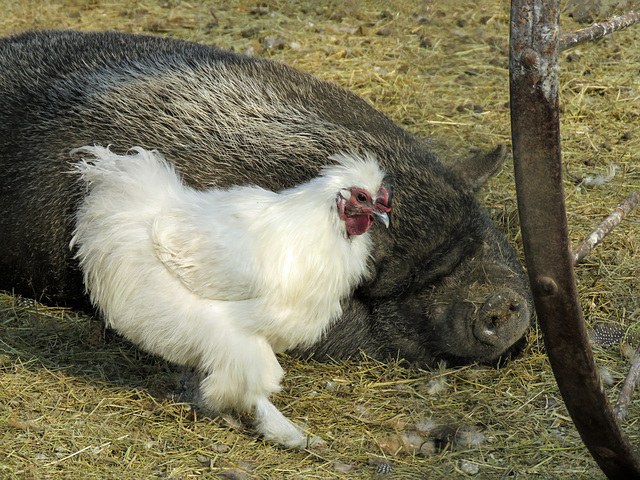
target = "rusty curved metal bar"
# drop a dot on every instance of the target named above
(533, 68)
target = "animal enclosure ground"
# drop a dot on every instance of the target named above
(77, 402)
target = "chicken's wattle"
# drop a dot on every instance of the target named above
(359, 224)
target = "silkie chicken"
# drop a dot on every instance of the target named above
(220, 280)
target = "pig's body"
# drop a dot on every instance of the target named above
(445, 284)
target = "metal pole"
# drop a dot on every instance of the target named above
(535, 127)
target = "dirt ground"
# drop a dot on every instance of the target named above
(77, 402)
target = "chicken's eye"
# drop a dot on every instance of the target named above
(361, 197)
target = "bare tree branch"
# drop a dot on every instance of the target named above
(608, 224)
(598, 30)
(630, 383)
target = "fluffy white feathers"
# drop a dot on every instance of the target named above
(220, 279)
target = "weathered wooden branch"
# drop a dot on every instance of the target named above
(628, 387)
(598, 30)
(594, 238)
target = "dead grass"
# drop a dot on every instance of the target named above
(77, 402)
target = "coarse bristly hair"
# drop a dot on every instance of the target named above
(219, 279)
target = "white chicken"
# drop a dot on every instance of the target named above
(221, 279)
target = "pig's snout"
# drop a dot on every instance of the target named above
(501, 313)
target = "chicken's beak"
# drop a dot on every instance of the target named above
(381, 216)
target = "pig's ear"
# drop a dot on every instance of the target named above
(473, 172)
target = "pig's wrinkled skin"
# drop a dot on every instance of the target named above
(444, 282)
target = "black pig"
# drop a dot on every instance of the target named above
(444, 284)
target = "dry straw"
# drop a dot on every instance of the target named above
(77, 402)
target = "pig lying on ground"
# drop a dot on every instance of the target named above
(444, 283)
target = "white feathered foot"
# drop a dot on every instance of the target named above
(269, 421)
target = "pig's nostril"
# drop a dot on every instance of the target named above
(515, 307)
